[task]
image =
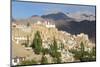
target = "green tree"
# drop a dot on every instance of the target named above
(54, 52)
(82, 55)
(82, 50)
(37, 43)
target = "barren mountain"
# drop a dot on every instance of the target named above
(72, 23)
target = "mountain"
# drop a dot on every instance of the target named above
(84, 24)
(60, 19)
(71, 23)
(35, 18)
(87, 27)
(32, 19)
(56, 16)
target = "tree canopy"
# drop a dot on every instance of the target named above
(37, 43)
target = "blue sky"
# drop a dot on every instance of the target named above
(22, 10)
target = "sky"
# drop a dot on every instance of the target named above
(23, 10)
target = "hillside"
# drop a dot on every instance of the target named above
(24, 35)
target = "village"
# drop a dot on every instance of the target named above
(24, 34)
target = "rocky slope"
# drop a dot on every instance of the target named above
(47, 34)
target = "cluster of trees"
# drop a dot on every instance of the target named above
(82, 55)
(38, 49)
(79, 54)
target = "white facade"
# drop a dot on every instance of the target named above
(39, 22)
(47, 24)
(50, 26)
(18, 39)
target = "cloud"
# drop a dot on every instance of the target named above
(82, 15)
(51, 10)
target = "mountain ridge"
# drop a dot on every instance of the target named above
(67, 23)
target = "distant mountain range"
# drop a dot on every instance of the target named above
(86, 25)
(57, 16)
(72, 23)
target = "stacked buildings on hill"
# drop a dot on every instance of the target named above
(22, 34)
